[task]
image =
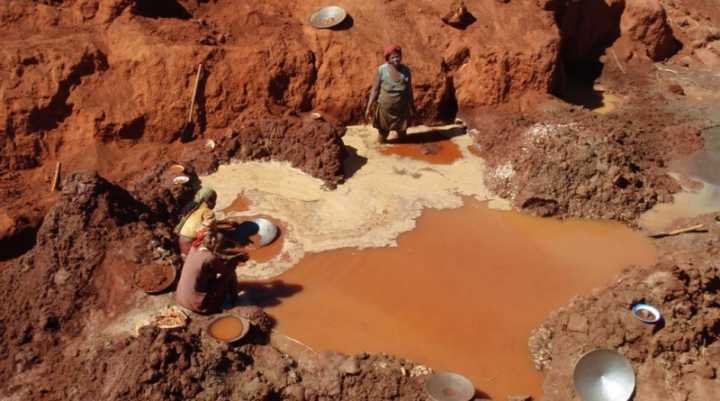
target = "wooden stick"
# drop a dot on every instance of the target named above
(56, 178)
(194, 93)
(695, 228)
(617, 61)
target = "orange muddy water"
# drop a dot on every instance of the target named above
(439, 150)
(460, 293)
(240, 204)
(226, 328)
(255, 252)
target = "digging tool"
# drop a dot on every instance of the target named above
(700, 228)
(194, 93)
(617, 61)
(56, 178)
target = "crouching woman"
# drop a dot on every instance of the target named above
(207, 277)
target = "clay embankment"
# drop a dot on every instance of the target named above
(86, 81)
(566, 161)
(105, 84)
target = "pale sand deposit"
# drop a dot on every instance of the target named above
(379, 202)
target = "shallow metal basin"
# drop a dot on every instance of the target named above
(328, 17)
(604, 375)
(446, 386)
(267, 230)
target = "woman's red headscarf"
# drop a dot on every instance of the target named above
(390, 49)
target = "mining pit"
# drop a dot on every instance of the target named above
(561, 168)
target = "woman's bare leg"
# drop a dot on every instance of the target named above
(383, 136)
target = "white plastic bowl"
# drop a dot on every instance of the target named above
(181, 179)
(653, 311)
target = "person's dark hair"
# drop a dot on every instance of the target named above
(219, 242)
(213, 241)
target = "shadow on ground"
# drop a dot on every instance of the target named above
(352, 162)
(268, 293)
(430, 136)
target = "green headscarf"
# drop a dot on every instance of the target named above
(204, 195)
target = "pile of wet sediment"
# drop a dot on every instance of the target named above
(572, 163)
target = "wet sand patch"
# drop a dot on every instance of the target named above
(373, 206)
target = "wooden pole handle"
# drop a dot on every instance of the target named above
(697, 227)
(194, 93)
(56, 177)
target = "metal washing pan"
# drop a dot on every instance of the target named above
(604, 375)
(267, 230)
(328, 17)
(446, 386)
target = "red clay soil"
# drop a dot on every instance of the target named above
(105, 84)
(678, 359)
(596, 166)
(152, 278)
(60, 277)
(312, 145)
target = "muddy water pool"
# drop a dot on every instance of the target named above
(435, 150)
(701, 167)
(461, 292)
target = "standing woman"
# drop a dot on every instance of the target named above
(392, 91)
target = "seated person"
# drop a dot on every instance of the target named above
(207, 277)
(193, 218)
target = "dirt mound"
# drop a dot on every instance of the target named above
(677, 359)
(164, 199)
(696, 23)
(596, 167)
(646, 31)
(180, 365)
(57, 283)
(310, 144)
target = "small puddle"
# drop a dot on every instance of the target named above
(688, 203)
(240, 204)
(461, 292)
(699, 173)
(256, 253)
(442, 151)
(226, 328)
(592, 97)
(609, 103)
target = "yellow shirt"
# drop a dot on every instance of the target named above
(194, 222)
